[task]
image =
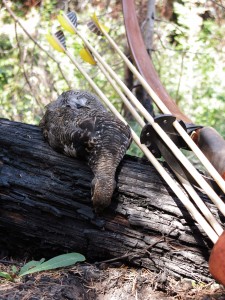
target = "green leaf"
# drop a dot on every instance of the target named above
(31, 264)
(14, 269)
(6, 275)
(60, 261)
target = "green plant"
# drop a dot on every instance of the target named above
(10, 275)
(34, 266)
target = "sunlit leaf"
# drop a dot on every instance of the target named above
(5, 275)
(60, 261)
(31, 264)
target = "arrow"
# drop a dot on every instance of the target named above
(183, 198)
(185, 183)
(179, 155)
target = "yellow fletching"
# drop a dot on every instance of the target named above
(54, 43)
(65, 23)
(86, 56)
(98, 24)
(95, 19)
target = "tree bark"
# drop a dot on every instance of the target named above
(147, 27)
(45, 208)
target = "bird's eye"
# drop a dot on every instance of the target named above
(79, 105)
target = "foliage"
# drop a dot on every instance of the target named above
(33, 266)
(29, 79)
(188, 55)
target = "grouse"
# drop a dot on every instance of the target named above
(78, 125)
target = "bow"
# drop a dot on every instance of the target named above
(207, 139)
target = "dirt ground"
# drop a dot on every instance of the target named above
(106, 282)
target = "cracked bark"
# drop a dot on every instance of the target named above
(45, 209)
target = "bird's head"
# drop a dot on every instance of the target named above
(102, 189)
(77, 99)
(73, 99)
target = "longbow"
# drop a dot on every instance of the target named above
(207, 139)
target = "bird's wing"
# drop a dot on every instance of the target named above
(68, 131)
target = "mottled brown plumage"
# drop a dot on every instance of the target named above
(78, 125)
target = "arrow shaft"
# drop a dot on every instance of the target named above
(186, 163)
(212, 234)
(203, 159)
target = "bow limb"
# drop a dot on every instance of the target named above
(142, 60)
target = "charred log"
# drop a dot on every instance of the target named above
(45, 209)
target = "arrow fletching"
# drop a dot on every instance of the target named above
(68, 21)
(87, 56)
(72, 17)
(57, 41)
(94, 28)
(97, 24)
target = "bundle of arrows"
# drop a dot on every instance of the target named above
(166, 130)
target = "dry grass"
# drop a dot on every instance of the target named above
(86, 282)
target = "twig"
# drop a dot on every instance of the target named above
(146, 250)
(116, 258)
(23, 68)
(34, 41)
(220, 5)
(161, 239)
(8, 262)
(180, 77)
(175, 50)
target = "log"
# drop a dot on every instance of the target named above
(45, 208)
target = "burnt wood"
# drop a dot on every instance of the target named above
(45, 209)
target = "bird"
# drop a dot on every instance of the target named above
(78, 125)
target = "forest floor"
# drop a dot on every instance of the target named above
(105, 282)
